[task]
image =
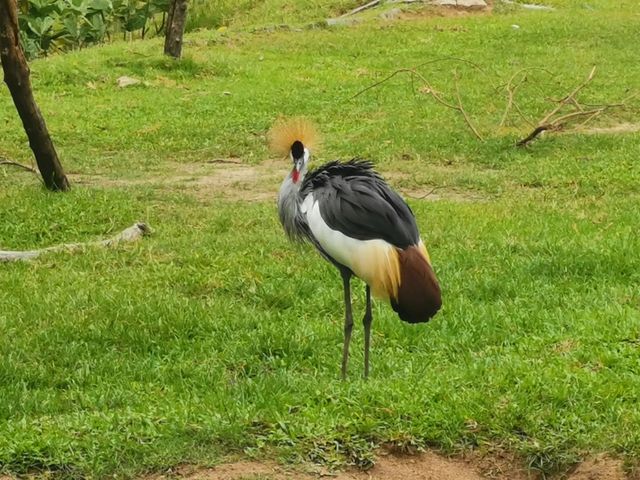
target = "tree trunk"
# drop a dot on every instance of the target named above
(16, 76)
(175, 28)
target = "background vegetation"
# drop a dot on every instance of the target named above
(216, 337)
(49, 26)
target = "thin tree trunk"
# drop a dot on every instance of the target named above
(16, 76)
(176, 20)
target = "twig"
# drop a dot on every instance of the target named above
(428, 89)
(511, 92)
(131, 234)
(569, 97)
(19, 165)
(413, 70)
(222, 160)
(590, 117)
(464, 112)
(361, 8)
(559, 122)
(388, 77)
(425, 195)
(522, 115)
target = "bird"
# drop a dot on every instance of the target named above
(358, 223)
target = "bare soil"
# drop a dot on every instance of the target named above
(233, 180)
(424, 466)
(613, 129)
(599, 468)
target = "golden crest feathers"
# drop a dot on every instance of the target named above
(286, 131)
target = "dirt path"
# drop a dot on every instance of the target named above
(230, 179)
(425, 466)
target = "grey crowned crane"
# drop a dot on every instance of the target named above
(360, 225)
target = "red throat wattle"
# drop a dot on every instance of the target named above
(295, 175)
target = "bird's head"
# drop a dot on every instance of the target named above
(300, 157)
(295, 138)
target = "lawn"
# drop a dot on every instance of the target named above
(216, 338)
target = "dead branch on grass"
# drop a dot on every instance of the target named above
(429, 90)
(554, 120)
(19, 165)
(361, 8)
(131, 234)
(512, 88)
(549, 123)
(427, 194)
(461, 109)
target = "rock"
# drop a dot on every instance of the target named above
(125, 81)
(468, 4)
(341, 21)
(391, 14)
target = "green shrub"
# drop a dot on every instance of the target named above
(57, 25)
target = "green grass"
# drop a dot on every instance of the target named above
(201, 342)
(221, 13)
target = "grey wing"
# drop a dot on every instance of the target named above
(366, 208)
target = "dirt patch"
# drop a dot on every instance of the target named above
(429, 11)
(499, 464)
(599, 468)
(611, 130)
(424, 466)
(233, 180)
(220, 178)
(427, 466)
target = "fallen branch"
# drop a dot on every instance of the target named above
(361, 8)
(131, 234)
(428, 89)
(414, 70)
(566, 111)
(19, 165)
(549, 123)
(461, 109)
(511, 93)
(425, 195)
(569, 98)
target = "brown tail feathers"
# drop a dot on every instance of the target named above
(419, 293)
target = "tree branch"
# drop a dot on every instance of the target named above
(131, 234)
(428, 89)
(559, 122)
(461, 109)
(19, 165)
(361, 8)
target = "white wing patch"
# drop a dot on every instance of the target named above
(374, 261)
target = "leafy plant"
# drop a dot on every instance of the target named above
(57, 25)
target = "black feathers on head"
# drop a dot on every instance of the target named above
(297, 149)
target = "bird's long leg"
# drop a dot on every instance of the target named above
(366, 321)
(348, 321)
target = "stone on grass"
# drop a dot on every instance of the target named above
(469, 4)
